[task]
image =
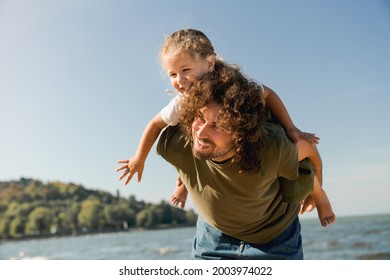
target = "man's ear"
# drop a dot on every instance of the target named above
(211, 62)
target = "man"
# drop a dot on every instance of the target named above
(230, 160)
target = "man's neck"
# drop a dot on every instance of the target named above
(221, 162)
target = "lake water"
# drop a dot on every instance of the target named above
(350, 238)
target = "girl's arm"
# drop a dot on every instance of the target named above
(136, 164)
(277, 107)
(306, 150)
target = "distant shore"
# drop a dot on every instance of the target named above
(133, 229)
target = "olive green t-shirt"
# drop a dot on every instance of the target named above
(246, 206)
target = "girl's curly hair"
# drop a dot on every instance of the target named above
(191, 41)
(242, 111)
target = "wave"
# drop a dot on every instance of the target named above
(167, 250)
(376, 256)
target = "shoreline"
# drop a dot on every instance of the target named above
(161, 227)
(51, 236)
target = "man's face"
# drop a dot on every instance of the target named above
(210, 142)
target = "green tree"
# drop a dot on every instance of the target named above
(147, 218)
(192, 217)
(3, 208)
(16, 227)
(91, 215)
(29, 207)
(179, 216)
(5, 222)
(164, 213)
(136, 205)
(38, 222)
(118, 214)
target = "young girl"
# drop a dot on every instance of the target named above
(186, 55)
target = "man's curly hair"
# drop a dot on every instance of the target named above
(242, 111)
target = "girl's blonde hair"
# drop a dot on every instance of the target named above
(192, 41)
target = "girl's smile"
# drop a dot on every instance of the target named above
(183, 69)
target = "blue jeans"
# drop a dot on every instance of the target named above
(211, 244)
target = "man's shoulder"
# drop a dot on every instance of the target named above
(170, 137)
(273, 132)
(275, 138)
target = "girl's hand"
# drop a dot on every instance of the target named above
(311, 138)
(295, 135)
(130, 167)
(307, 205)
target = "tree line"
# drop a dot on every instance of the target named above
(31, 208)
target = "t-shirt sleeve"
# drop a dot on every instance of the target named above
(288, 158)
(170, 141)
(164, 139)
(173, 147)
(170, 113)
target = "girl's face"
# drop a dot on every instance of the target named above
(183, 69)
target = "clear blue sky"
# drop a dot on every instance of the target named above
(79, 80)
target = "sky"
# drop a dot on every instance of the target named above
(79, 81)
